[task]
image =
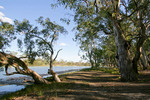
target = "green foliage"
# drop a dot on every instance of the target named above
(109, 51)
(6, 34)
(94, 17)
(38, 40)
(90, 29)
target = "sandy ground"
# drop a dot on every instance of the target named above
(98, 86)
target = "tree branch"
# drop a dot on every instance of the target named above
(23, 57)
(49, 44)
(54, 35)
(138, 8)
(8, 74)
(57, 54)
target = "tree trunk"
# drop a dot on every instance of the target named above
(124, 59)
(144, 59)
(54, 75)
(138, 53)
(143, 63)
(140, 65)
(37, 78)
(141, 40)
(90, 58)
(7, 59)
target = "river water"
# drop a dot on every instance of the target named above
(16, 82)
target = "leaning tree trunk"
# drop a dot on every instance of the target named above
(54, 75)
(123, 54)
(9, 60)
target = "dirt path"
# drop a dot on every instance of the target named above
(97, 85)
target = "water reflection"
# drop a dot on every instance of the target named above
(7, 81)
(1, 69)
(10, 88)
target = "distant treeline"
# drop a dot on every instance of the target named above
(41, 62)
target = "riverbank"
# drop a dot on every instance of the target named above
(17, 82)
(40, 62)
(27, 80)
(89, 85)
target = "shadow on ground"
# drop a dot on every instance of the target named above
(95, 85)
(102, 86)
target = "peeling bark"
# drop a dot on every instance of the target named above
(124, 59)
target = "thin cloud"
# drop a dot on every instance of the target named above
(62, 44)
(3, 18)
(1, 7)
(1, 14)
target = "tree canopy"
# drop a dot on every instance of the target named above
(127, 21)
(34, 41)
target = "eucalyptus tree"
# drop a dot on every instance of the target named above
(87, 36)
(129, 20)
(6, 35)
(109, 51)
(39, 42)
(140, 19)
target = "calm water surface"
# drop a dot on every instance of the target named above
(42, 70)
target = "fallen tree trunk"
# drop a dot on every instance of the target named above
(20, 67)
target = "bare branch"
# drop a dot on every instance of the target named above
(8, 74)
(95, 3)
(23, 57)
(57, 54)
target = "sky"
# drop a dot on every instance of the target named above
(32, 10)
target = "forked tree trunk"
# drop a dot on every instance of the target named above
(7, 59)
(124, 59)
(54, 75)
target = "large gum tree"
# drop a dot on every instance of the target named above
(129, 20)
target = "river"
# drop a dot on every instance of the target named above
(16, 82)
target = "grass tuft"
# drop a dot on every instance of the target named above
(106, 70)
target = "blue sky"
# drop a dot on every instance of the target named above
(33, 9)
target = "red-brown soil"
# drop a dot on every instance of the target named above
(97, 85)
